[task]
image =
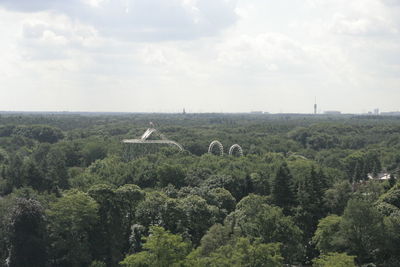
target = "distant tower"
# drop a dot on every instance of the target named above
(184, 111)
(315, 106)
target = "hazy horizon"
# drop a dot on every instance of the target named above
(229, 56)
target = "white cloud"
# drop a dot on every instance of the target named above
(142, 20)
(264, 53)
(208, 55)
(362, 25)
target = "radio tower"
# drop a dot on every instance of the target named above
(315, 106)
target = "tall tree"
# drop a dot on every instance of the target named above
(361, 230)
(71, 224)
(282, 188)
(27, 232)
(116, 213)
(254, 218)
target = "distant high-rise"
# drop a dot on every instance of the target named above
(184, 111)
(315, 106)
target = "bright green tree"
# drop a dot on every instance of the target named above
(325, 237)
(162, 249)
(241, 253)
(334, 260)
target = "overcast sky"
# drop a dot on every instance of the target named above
(202, 55)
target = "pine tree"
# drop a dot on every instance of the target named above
(282, 191)
(310, 198)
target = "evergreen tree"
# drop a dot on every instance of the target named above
(310, 199)
(392, 181)
(282, 191)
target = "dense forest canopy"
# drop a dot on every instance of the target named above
(307, 191)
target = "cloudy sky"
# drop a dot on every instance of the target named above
(202, 55)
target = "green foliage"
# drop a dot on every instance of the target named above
(308, 166)
(282, 188)
(241, 252)
(170, 174)
(199, 216)
(391, 253)
(158, 209)
(310, 208)
(325, 237)
(222, 199)
(369, 191)
(93, 151)
(336, 197)
(334, 260)
(254, 218)
(162, 249)
(217, 236)
(97, 264)
(110, 170)
(71, 221)
(27, 234)
(41, 133)
(391, 197)
(362, 230)
(116, 214)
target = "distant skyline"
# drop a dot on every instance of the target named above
(201, 55)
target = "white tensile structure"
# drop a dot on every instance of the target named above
(147, 134)
(144, 146)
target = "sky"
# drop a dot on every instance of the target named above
(201, 55)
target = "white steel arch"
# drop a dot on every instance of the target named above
(220, 146)
(233, 147)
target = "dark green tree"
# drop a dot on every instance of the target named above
(255, 218)
(282, 189)
(171, 174)
(27, 234)
(362, 231)
(336, 197)
(71, 223)
(113, 228)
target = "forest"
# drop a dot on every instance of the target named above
(309, 190)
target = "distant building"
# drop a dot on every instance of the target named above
(376, 111)
(332, 112)
(392, 113)
(256, 112)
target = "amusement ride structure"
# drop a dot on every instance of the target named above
(134, 148)
(219, 145)
(147, 134)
